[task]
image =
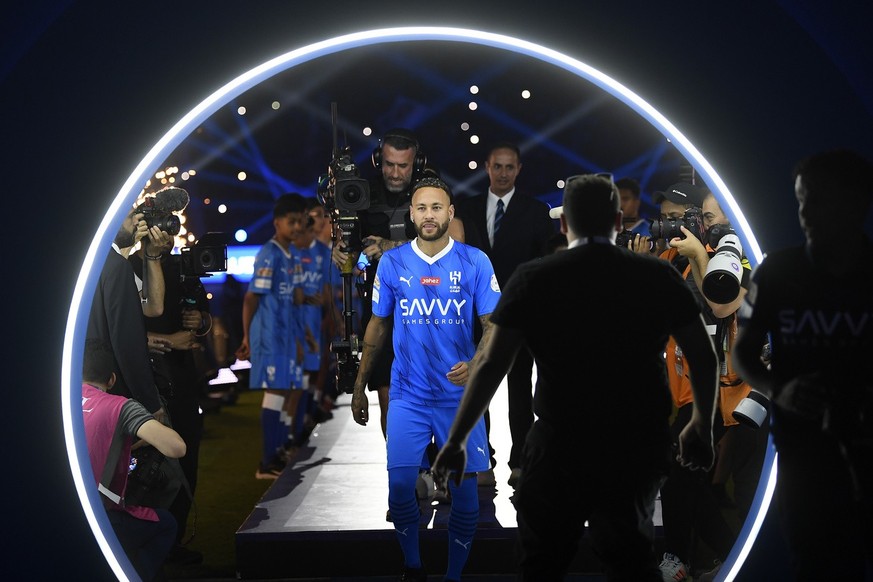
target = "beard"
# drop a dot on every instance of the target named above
(124, 238)
(437, 234)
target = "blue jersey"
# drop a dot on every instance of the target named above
(434, 301)
(275, 326)
(313, 275)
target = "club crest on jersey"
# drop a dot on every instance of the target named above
(495, 286)
(455, 277)
(431, 281)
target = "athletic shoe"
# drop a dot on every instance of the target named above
(486, 478)
(413, 575)
(710, 576)
(672, 569)
(513, 477)
(271, 470)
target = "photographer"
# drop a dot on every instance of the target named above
(145, 533)
(688, 500)
(815, 304)
(182, 327)
(742, 449)
(117, 310)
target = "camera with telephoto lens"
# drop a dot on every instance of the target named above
(724, 274)
(207, 256)
(342, 188)
(667, 228)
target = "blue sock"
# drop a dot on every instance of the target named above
(302, 408)
(463, 518)
(404, 512)
(271, 410)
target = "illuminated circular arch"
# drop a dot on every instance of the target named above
(71, 371)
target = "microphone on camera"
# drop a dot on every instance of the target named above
(170, 200)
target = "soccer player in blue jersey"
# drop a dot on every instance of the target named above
(271, 331)
(313, 278)
(433, 288)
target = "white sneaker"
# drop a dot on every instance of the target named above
(672, 569)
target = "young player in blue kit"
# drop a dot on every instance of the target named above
(271, 332)
(313, 277)
(433, 287)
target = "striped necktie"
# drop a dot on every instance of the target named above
(498, 216)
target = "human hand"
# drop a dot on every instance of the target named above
(689, 246)
(158, 345)
(459, 374)
(450, 462)
(183, 340)
(641, 244)
(360, 406)
(157, 241)
(191, 319)
(696, 449)
(375, 247)
(141, 229)
(338, 255)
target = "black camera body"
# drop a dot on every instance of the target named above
(159, 210)
(626, 236)
(153, 216)
(667, 228)
(208, 255)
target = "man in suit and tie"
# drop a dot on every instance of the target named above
(511, 228)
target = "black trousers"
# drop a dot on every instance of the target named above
(562, 486)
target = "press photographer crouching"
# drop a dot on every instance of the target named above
(181, 360)
(113, 425)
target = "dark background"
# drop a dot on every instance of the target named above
(87, 89)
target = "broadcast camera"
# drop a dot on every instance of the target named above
(724, 275)
(344, 193)
(667, 228)
(159, 210)
(207, 256)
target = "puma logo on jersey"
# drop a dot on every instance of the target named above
(407, 281)
(462, 544)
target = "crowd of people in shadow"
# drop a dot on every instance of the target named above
(663, 362)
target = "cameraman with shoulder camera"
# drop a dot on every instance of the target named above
(385, 225)
(689, 504)
(814, 303)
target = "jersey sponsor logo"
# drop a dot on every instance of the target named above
(431, 281)
(264, 272)
(407, 280)
(422, 307)
(810, 323)
(495, 286)
(375, 295)
(308, 277)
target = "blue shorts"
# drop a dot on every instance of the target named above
(275, 372)
(411, 427)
